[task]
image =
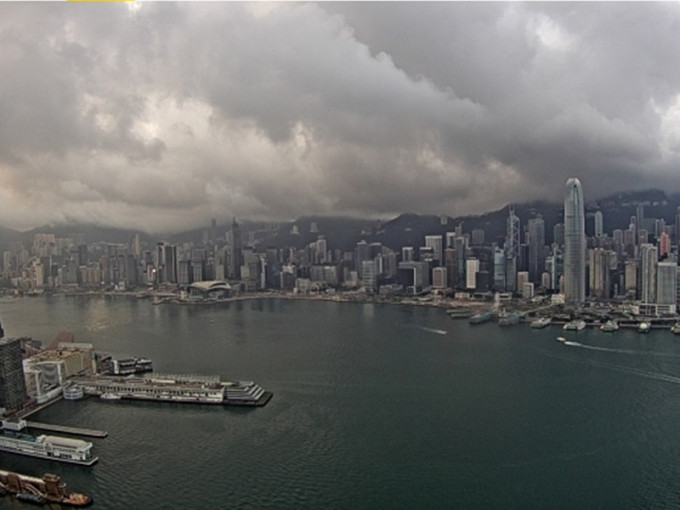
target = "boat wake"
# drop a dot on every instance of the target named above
(617, 368)
(432, 330)
(621, 351)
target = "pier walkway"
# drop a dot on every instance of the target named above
(77, 431)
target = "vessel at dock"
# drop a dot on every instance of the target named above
(508, 319)
(575, 325)
(57, 448)
(48, 489)
(675, 328)
(541, 322)
(644, 327)
(609, 326)
(480, 318)
(198, 389)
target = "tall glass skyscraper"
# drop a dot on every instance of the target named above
(574, 244)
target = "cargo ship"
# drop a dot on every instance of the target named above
(61, 449)
(198, 389)
(48, 489)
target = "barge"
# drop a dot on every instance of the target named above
(48, 489)
(198, 389)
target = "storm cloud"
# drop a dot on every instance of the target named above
(161, 116)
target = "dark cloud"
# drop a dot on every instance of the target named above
(163, 115)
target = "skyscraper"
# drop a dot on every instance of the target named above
(536, 227)
(511, 250)
(574, 244)
(236, 255)
(12, 383)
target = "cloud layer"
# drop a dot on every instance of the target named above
(161, 116)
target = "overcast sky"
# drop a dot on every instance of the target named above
(161, 116)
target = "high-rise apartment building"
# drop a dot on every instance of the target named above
(649, 256)
(574, 244)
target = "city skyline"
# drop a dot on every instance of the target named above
(162, 116)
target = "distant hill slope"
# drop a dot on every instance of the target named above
(408, 229)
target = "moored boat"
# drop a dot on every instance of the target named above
(48, 489)
(644, 327)
(609, 326)
(541, 322)
(480, 318)
(675, 328)
(575, 325)
(509, 319)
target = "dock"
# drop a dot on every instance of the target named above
(76, 431)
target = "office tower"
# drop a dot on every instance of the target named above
(12, 383)
(236, 255)
(439, 279)
(436, 243)
(640, 216)
(667, 286)
(511, 250)
(450, 265)
(477, 237)
(599, 273)
(407, 254)
(648, 261)
(450, 239)
(664, 244)
(574, 244)
(536, 229)
(499, 270)
(558, 234)
(471, 268)
(599, 224)
(630, 279)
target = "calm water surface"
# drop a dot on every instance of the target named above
(375, 406)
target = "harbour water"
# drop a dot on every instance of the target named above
(375, 406)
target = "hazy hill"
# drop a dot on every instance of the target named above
(408, 229)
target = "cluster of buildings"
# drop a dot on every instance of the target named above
(31, 377)
(637, 264)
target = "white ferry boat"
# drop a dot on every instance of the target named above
(61, 449)
(609, 326)
(541, 322)
(644, 327)
(675, 328)
(575, 325)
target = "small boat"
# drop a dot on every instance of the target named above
(109, 396)
(675, 328)
(575, 325)
(561, 339)
(541, 322)
(644, 327)
(609, 326)
(480, 318)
